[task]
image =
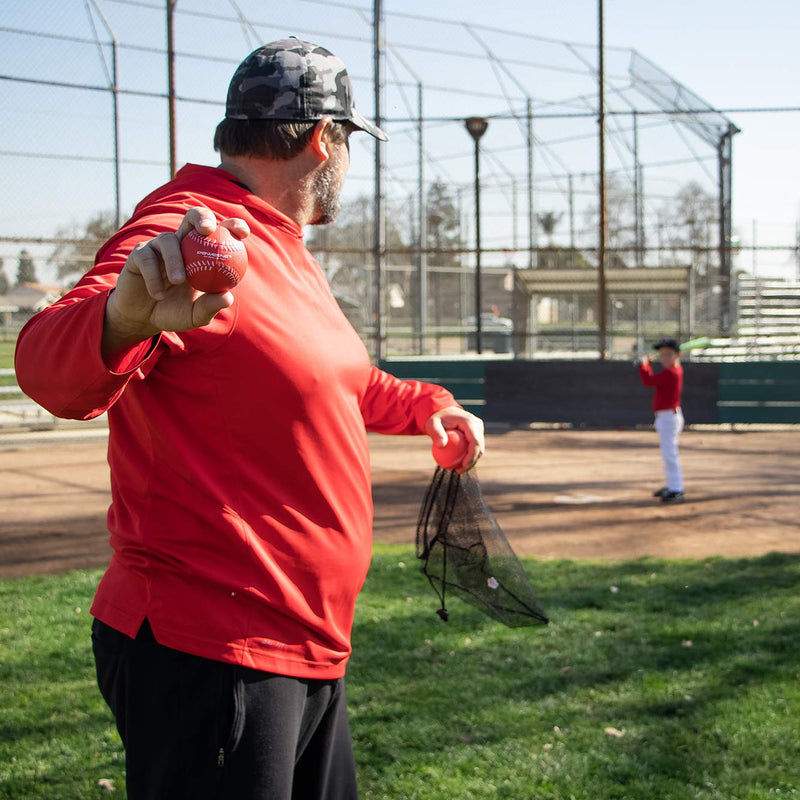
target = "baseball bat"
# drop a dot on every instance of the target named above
(701, 341)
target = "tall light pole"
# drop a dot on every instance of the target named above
(603, 226)
(477, 127)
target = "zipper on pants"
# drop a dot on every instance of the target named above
(235, 692)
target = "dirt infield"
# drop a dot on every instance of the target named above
(569, 494)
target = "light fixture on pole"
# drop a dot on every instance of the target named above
(477, 127)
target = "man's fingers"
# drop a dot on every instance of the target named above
(470, 426)
(145, 259)
(160, 264)
(475, 449)
(200, 219)
(471, 458)
(238, 227)
(474, 433)
(437, 432)
(203, 221)
(169, 247)
(207, 306)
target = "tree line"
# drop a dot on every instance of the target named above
(26, 272)
(684, 230)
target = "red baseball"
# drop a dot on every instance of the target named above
(214, 263)
(452, 454)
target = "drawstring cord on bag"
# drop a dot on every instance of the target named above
(441, 534)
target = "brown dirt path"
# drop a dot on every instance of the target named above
(567, 494)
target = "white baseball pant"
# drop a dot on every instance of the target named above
(669, 425)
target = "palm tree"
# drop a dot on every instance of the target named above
(548, 221)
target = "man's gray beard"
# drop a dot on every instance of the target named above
(327, 190)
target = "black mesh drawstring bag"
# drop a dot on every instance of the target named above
(464, 551)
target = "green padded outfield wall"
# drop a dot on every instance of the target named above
(759, 392)
(464, 378)
(594, 394)
(608, 394)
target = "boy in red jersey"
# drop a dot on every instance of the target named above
(668, 385)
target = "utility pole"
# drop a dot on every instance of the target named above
(601, 249)
(379, 209)
(171, 85)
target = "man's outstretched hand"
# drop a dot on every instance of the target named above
(152, 295)
(454, 417)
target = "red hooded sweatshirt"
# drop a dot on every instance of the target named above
(241, 515)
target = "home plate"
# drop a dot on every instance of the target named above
(578, 499)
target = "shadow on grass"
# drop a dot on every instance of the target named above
(655, 680)
(57, 737)
(691, 666)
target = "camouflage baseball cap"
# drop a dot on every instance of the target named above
(294, 80)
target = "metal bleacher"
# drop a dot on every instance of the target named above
(768, 324)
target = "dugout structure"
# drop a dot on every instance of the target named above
(555, 309)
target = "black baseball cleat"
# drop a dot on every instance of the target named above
(672, 497)
(660, 492)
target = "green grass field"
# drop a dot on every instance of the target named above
(655, 680)
(7, 362)
(7, 354)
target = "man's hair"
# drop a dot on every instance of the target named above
(268, 138)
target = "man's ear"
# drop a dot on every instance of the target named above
(320, 142)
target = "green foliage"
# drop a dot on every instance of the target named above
(655, 679)
(26, 271)
(5, 283)
(352, 235)
(74, 258)
(554, 257)
(443, 224)
(548, 222)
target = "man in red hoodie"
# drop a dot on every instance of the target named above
(668, 385)
(241, 515)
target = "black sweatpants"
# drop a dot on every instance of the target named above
(205, 730)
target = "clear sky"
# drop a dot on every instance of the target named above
(732, 53)
(735, 54)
